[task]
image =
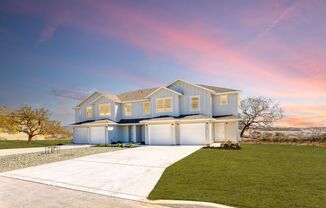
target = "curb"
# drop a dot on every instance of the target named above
(183, 202)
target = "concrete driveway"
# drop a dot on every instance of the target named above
(130, 173)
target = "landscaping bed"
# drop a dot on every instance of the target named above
(258, 175)
(13, 162)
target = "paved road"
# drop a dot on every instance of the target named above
(4, 152)
(23, 194)
(130, 173)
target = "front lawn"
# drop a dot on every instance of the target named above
(266, 175)
(11, 144)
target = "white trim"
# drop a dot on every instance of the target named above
(135, 101)
(124, 109)
(226, 120)
(97, 99)
(87, 98)
(163, 98)
(149, 106)
(227, 93)
(204, 88)
(195, 96)
(158, 121)
(165, 88)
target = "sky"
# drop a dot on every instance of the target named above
(54, 53)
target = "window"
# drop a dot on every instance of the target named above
(195, 103)
(223, 100)
(147, 109)
(128, 111)
(163, 105)
(89, 112)
(239, 99)
(105, 109)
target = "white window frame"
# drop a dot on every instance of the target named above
(195, 96)
(124, 110)
(105, 113)
(149, 108)
(164, 111)
(89, 107)
(227, 99)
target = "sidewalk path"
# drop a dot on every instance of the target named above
(5, 152)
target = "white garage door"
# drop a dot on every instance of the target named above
(160, 134)
(192, 134)
(97, 135)
(80, 135)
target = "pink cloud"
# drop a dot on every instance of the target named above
(293, 71)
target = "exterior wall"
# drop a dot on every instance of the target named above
(112, 133)
(230, 109)
(189, 90)
(82, 109)
(123, 135)
(114, 109)
(137, 111)
(231, 131)
(161, 94)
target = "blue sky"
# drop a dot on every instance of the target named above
(53, 54)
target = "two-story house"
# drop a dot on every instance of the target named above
(179, 113)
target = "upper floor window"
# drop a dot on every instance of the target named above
(105, 109)
(89, 112)
(163, 105)
(239, 99)
(194, 103)
(127, 109)
(147, 109)
(223, 100)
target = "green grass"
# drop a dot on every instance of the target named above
(11, 144)
(265, 175)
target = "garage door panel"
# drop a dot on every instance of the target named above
(80, 135)
(192, 134)
(97, 135)
(160, 134)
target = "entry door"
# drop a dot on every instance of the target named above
(219, 132)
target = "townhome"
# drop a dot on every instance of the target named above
(178, 113)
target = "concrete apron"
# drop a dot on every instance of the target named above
(129, 174)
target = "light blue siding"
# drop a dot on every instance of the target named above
(137, 111)
(82, 110)
(189, 90)
(163, 93)
(114, 109)
(230, 109)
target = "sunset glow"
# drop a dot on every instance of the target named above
(55, 53)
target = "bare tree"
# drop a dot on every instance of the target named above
(258, 112)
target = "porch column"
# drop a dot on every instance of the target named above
(133, 134)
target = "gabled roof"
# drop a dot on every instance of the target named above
(136, 95)
(211, 89)
(143, 94)
(164, 88)
(86, 98)
(109, 96)
(218, 89)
